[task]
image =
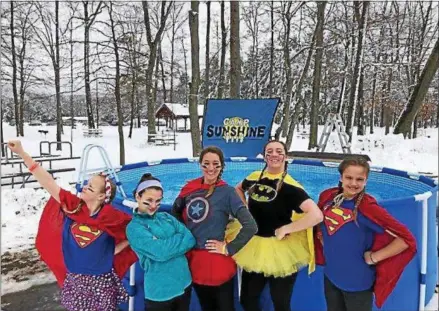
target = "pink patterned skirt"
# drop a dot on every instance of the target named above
(102, 292)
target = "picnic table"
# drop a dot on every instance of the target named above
(88, 132)
(162, 139)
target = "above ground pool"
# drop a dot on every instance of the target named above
(412, 199)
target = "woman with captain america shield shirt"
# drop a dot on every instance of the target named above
(205, 205)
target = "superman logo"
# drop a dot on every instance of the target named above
(337, 217)
(263, 193)
(84, 235)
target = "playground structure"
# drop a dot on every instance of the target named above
(44, 158)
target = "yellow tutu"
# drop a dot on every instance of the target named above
(274, 257)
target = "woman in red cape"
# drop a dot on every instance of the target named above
(82, 240)
(363, 249)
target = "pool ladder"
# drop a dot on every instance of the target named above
(84, 173)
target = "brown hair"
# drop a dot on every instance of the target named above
(146, 176)
(353, 161)
(281, 180)
(220, 154)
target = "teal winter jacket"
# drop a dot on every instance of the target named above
(161, 241)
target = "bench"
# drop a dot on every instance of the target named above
(162, 139)
(92, 132)
(45, 132)
(25, 176)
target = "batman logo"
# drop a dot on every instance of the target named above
(264, 193)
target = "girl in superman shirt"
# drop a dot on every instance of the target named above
(362, 247)
(82, 240)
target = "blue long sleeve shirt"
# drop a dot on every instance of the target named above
(161, 241)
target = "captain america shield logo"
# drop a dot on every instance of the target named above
(197, 209)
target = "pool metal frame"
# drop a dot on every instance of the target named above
(423, 197)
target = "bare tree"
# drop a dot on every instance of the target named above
(88, 20)
(153, 43)
(355, 83)
(415, 102)
(235, 55)
(117, 84)
(14, 74)
(251, 19)
(221, 83)
(287, 15)
(51, 45)
(177, 21)
(317, 71)
(193, 96)
(207, 58)
(270, 87)
(17, 56)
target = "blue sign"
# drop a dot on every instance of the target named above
(240, 127)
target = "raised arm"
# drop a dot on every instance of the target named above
(41, 175)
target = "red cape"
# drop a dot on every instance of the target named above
(195, 185)
(389, 270)
(49, 236)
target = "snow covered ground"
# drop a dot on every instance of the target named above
(21, 208)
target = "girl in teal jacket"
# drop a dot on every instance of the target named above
(160, 241)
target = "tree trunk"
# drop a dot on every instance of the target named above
(353, 96)
(297, 99)
(415, 102)
(270, 86)
(133, 102)
(361, 124)
(59, 124)
(72, 114)
(162, 69)
(287, 67)
(372, 106)
(437, 113)
(317, 72)
(235, 57)
(89, 106)
(221, 84)
(153, 44)
(387, 108)
(193, 96)
(14, 73)
(97, 104)
(117, 90)
(207, 61)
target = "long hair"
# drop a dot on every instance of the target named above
(280, 182)
(220, 154)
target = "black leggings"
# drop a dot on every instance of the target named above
(179, 303)
(340, 300)
(216, 298)
(253, 284)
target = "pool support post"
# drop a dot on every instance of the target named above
(422, 289)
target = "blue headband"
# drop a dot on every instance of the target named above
(148, 184)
